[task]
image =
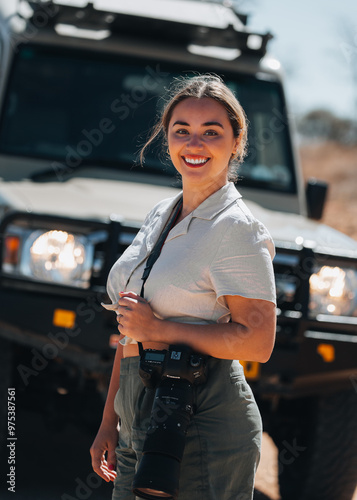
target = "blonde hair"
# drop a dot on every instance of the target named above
(199, 87)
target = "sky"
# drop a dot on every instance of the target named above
(317, 56)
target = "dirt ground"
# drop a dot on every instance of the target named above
(337, 165)
(266, 479)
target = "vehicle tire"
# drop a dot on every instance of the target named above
(5, 383)
(317, 443)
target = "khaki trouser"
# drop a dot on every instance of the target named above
(223, 440)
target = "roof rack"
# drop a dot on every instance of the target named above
(221, 25)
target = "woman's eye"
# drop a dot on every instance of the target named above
(211, 132)
(181, 131)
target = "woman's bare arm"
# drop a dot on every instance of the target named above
(106, 439)
(249, 336)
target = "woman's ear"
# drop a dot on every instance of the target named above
(236, 146)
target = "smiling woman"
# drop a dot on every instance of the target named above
(222, 112)
(201, 144)
(211, 293)
(205, 129)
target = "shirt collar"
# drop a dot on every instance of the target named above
(217, 202)
(208, 209)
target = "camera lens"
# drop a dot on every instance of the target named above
(174, 373)
(159, 469)
(157, 477)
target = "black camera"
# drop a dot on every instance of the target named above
(173, 373)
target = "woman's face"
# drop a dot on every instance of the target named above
(201, 142)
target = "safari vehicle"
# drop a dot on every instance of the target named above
(80, 87)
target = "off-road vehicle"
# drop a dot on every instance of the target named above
(80, 87)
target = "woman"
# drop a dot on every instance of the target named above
(212, 288)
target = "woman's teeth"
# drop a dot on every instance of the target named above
(196, 161)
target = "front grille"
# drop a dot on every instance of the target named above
(102, 254)
(287, 270)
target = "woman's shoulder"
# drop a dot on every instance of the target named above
(239, 217)
(238, 226)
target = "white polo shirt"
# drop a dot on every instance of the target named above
(218, 249)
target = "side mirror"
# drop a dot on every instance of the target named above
(316, 192)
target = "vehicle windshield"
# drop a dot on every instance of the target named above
(75, 108)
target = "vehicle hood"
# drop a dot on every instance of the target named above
(290, 230)
(84, 198)
(100, 199)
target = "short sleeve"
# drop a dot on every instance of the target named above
(112, 286)
(243, 262)
(122, 268)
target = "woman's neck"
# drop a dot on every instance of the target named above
(192, 198)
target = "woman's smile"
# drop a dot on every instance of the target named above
(195, 161)
(201, 142)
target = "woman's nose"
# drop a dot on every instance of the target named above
(194, 141)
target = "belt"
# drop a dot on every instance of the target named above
(131, 350)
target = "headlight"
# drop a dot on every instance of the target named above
(59, 250)
(53, 256)
(333, 290)
(58, 257)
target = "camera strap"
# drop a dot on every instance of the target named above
(157, 250)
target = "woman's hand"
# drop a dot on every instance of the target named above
(105, 442)
(249, 336)
(136, 318)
